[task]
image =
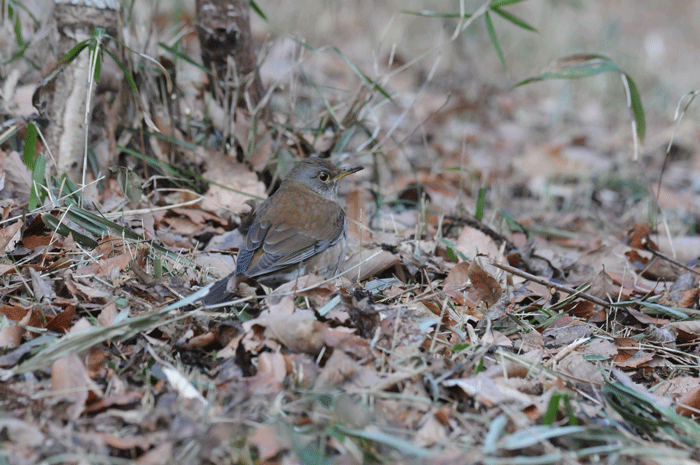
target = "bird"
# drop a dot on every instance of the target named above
(298, 230)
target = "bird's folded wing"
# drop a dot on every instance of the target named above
(292, 241)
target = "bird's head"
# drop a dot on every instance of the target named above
(320, 175)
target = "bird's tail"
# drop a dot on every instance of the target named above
(219, 292)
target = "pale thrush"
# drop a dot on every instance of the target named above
(300, 229)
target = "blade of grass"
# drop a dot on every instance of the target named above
(494, 39)
(586, 65)
(256, 8)
(434, 14)
(513, 19)
(183, 57)
(366, 79)
(388, 440)
(480, 204)
(29, 153)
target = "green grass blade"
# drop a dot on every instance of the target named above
(17, 28)
(500, 3)
(480, 204)
(635, 104)
(513, 19)
(575, 67)
(580, 66)
(388, 440)
(27, 11)
(435, 14)
(305, 45)
(530, 436)
(494, 39)
(366, 79)
(29, 153)
(62, 229)
(38, 194)
(183, 57)
(75, 51)
(256, 8)
(98, 65)
(127, 74)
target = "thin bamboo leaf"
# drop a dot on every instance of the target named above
(494, 39)
(37, 194)
(635, 104)
(513, 19)
(434, 14)
(362, 75)
(388, 440)
(256, 8)
(56, 225)
(29, 154)
(536, 434)
(183, 57)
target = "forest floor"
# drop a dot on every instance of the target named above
(522, 274)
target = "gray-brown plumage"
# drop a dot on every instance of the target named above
(300, 229)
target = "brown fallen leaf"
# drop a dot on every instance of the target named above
(299, 332)
(269, 440)
(238, 184)
(42, 289)
(108, 314)
(11, 336)
(576, 366)
(69, 379)
(106, 266)
(10, 236)
(487, 287)
(273, 367)
(160, 455)
(689, 403)
(456, 279)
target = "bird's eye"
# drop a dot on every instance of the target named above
(324, 177)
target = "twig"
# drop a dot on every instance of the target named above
(558, 287)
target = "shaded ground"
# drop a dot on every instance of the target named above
(552, 321)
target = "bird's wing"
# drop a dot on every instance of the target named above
(278, 239)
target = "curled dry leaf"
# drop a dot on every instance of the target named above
(369, 262)
(638, 237)
(70, 380)
(299, 332)
(690, 327)
(269, 440)
(456, 280)
(10, 236)
(236, 184)
(689, 403)
(576, 366)
(21, 433)
(486, 285)
(342, 371)
(108, 314)
(271, 365)
(11, 336)
(665, 336)
(431, 432)
(472, 242)
(491, 391)
(42, 289)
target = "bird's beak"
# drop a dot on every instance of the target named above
(346, 170)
